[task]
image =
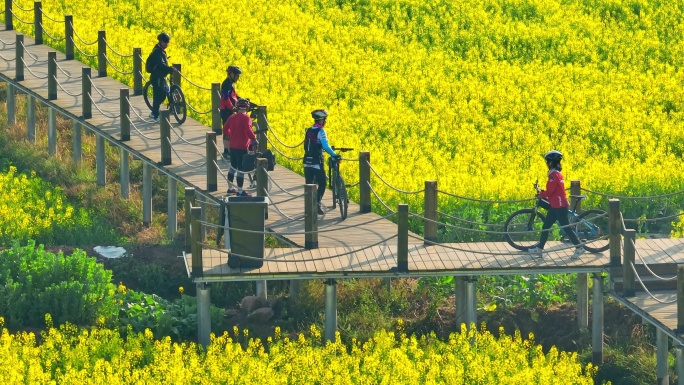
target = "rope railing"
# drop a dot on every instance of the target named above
(470, 222)
(6, 43)
(286, 200)
(632, 197)
(390, 186)
(64, 90)
(49, 35)
(183, 160)
(31, 72)
(50, 18)
(143, 135)
(68, 75)
(207, 202)
(644, 220)
(352, 184)
(193, 83)
(80, 38)
(22, 8)
(142, 76)
(225, 176)
(115, 51)
(102, 95)
(115, 68)
(270, 131)
(32, 56)
(280, 152)
(275, 206)
(20, 19)
(195, 110)
(6, 59)
(277, 185)
(102, 112)
(651, 271)
(646, 289)
(183, 139)
(83, 52)
(485, 200)
(138, 115)
(378, 198)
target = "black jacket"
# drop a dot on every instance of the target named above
(159, 63)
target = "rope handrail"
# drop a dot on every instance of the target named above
(22, 8)
(286, 200)
(66, 73)
(79, 37)
(102, 112)
(277, 185)
(140, 132)
(32, 56)
(206, 202)
(485, 200)
(292, 219)
(225, 177)
(390, 186)
(183, 160)
(49, 35)
(116, 68)
(50, 18)
(193, 83)
(82, 52)
(137, 114)
(142, 76)
(651, 271)
(183, 139)
(378, 197)
(65, 91)
(6, 43)
(646, 289)
(230, 166)
(352, 184)
(280, 141)
(6, 59)
(103, 96)
(32, 73)
(115, 51)
(632, 197)
(470, 222)
(20, 19)
(280, 152)
(195, 110)
(639, 220)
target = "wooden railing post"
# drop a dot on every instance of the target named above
(165, 135)
(628, 278)
(137, 71)
(430, 207)
(189, 202)
(212, 170)
(196, 239)
(262, 179)
(177, 75)
(575, 189)
(364, 182)
(86, 88)
(402, 238)
(311, 216)
(52, 75)
(38, 22)
(215, 108)
(680, 299)
(262, 123)
(69, 36)
(101, 53)
(19, 55)
(9, 23)
(615, 233)
(125, 111)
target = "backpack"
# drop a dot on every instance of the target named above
(148, 65)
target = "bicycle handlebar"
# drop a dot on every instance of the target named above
(342, 149)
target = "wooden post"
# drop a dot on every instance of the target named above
(597, 320)
(100, 160)
(125, 112)
(262, 123)
(52, 131)
(262, 178)
(101, 53)
(615, 227)
(575, 189)
(76, 142)
(69, 36)
(189, 202)
(662, 375)
(402, 238)
(364, 182)
(19, 55)
(86, 88)
(176, 77)
(582, 300)
(195, 242)
(212, 170)
(628, 278)
(203, 314)
(215, 109)
(11, 105)
(311, 216)
(680, 299)
(38, 22)
(172, 209)
(9, 23)
(430, 207)
(31, 118)
(330, 310)
(165, 134)
(52, 75)
(124, 173)
(147, 195)
(137, 71)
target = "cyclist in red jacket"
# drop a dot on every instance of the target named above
(237, 136)
(557, 204)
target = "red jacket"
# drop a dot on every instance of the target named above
(238, 129)
(555, 190)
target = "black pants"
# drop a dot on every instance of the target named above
(236, 163)
(311, 174)
(560, 215)
(159, 88)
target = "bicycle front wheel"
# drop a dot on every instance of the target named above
(342, 200)
(523, 229)
(177, 104)
(592, 227)
(148, 94)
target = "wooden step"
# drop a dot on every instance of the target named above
(664, 270)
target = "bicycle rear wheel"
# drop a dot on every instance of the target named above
(177, 104)
(342, 200)
(148, 94)
(592, 227)
(520, 229)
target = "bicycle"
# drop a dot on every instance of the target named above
(174, 96)
(337, 186)
(591, 226)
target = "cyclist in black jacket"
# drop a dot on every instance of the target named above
(158, 63)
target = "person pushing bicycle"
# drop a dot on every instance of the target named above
(315, 141)
(238, 137)
(556, 202)
(157, 65)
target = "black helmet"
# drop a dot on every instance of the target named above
(234, 70)
(553, 156)
(164, 37)
(319, 114)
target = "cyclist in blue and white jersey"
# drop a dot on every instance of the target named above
(315, 141)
